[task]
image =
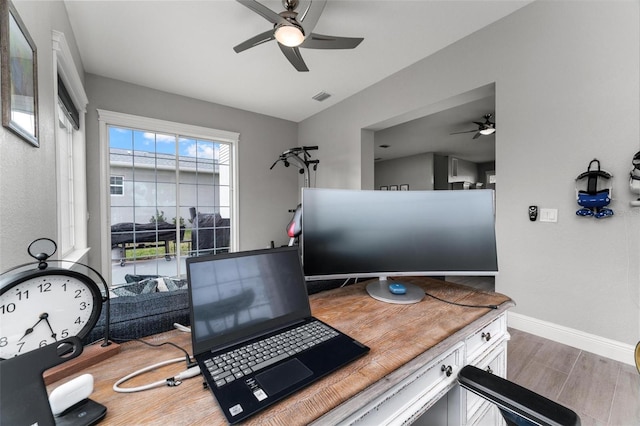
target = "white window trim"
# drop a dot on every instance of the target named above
(110, 118)
(111, 185)
(64, 66)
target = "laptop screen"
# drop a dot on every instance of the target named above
(237, 296)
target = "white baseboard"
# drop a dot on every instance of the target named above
(602, 346)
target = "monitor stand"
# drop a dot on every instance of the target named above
(379, 290)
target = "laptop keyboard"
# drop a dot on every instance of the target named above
(255, 356)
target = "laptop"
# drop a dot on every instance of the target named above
(252, 331)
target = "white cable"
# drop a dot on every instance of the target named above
(171, 381)
(182, 327)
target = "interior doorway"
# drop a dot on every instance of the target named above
(433, 147)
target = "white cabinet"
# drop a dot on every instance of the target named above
(479, 411)
(409, 397)
(486, 349)
(415, 394)
(485, 339)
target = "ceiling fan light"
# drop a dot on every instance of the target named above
(487, 131)
(289, 35)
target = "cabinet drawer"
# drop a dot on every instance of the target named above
(412, 396)
(495, 363)
(483, 339)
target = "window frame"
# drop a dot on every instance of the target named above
(110, 118)
(116, 185)
(65, 69)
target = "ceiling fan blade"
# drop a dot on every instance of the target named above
(293, 55)
(320, 41)
(309, 18)
(255, 41)
(479, 123)
(476, 136)
(459, 133)
(263, 11)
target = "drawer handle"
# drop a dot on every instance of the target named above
(486, 336)
(447, 369)
(489, 370)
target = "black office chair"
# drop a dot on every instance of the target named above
(519, 406)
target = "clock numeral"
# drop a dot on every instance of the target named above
(78, 294)
(83, 306)
(64, 334)
(44, 287)
(21, 344)
(78, 321)
(8, 308)
(22, 294)
(43, 343)
(3, 342)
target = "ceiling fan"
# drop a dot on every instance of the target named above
(292, 32)
(485, 128)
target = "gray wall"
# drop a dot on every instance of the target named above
(28, 174)
(574, 67)
(264, 195)
(420, 171)
(415, 170)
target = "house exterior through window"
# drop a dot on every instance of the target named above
(170, 196)
(117, 185)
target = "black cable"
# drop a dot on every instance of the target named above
(462, 304)
(157, 345)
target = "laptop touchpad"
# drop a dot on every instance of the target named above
(284, 375)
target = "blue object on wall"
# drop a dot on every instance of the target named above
(594, 198)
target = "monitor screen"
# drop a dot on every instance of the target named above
(362, 233)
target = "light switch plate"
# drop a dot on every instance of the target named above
(548, 215)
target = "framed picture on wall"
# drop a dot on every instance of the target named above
(384, 188)
(19, 75)
(393, 187)
(404, 187)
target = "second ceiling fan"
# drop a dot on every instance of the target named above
(486, 128)
(293, 30)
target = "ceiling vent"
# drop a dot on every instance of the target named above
(321, 96)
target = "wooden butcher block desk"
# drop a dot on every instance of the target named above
(416, 352)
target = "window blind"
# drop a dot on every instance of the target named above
(68, 107)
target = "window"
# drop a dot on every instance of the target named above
(66, 207)
(70, 153)
(117, 185)
(170, 194)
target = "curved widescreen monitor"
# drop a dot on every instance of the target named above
(362, 233)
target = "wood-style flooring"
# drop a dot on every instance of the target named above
(600, 390)
(603, 392)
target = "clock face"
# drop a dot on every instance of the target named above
(42, 307)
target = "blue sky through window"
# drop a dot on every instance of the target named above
(128, 139)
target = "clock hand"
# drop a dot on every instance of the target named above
(45, 316)
(30, 329)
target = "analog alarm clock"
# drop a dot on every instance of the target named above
(44, 304)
